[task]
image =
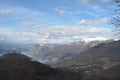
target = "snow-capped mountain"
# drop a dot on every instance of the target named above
(49, 52)
(53, 53)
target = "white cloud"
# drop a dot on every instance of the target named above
(29, 23)
(94, 1)
(88, 22)
(95, 38)
(60, 11)
(26, 16)
(66, 33)
(98, 9)
(85, 12)
(8, 12)
(57, 34)
(51, 34)
(90, 13)
(106, 0)
(86, 1)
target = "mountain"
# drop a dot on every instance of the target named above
(6, 47)
(16, 66)
(104, 50)
(53, 53)
(100, 57)
(50, 53)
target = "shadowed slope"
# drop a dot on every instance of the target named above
(20, 67)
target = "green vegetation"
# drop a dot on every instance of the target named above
(105, 63)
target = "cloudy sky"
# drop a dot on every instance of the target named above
(55, 21)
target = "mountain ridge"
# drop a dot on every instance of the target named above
(20, 67)
(104, 52)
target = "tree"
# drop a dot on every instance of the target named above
(116, 18)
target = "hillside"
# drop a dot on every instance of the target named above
(16, 66)
(103, 56)
(109, 74)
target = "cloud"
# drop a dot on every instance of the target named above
(60, 11)
(94, 38)
(94, 1)
(8, 12)
(89, 22)
(56, 34)
(86, 1)
(51, 34)
(98, 9)
(90, 13)
(65, 33)
(26, 16)
(106, 0)
(29, 23)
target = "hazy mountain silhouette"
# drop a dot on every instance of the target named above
(55, 53)
(50, 53)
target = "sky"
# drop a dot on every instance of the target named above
(55, 21)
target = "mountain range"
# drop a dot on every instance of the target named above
(100, 61)
(53, 53)
(50, 53)
(100, 57)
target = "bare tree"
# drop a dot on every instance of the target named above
(116, 18)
